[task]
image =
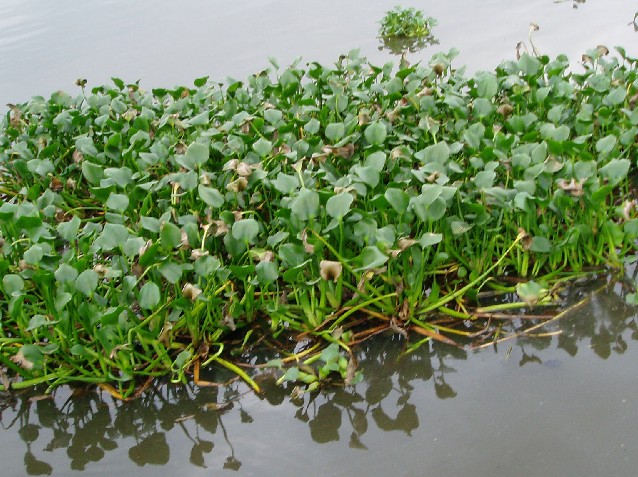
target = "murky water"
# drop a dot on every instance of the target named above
(46, 45)
(563, 405)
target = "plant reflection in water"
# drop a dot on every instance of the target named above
(87, 425)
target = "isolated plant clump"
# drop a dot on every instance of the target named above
(150, 233)
(401, 22)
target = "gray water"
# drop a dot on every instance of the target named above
(46, 45)
(559, 405)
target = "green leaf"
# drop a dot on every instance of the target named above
(38, 321)
(484, 179)
(338, 205)
(170, 235)
(605, 145)
(398, 199)
(93, 173)
(117, 202)
(285, 183)
(439, 152)
(487, 86)
(69, 230)
(273, 116)
(615, 170)
(151, 224)
(171, 271)
(531, 292)
(245, 230)
(371, 257)
(368, 175)
(615, 97)
(12, 284)
(211, 196)
(149, 296)
(86, 146)
(33, 255)
(31, 357)
(312, 126)
(86, 282)
(65, 273)
(540, 245)
(376, 133)
(267, 272)
(335, 131)
(114, 235)
(197, 154)
(262, 147)
(428, 239)
(306, 205)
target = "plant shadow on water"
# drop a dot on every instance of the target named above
(88, 427)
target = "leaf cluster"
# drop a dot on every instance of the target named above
(140, 231)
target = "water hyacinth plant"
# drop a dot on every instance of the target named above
(406, 29)
(150, 233)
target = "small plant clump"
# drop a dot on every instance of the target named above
(406, 29)
(150, 233)
(403, 22)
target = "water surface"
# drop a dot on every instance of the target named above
(561, 405)
(46, 46)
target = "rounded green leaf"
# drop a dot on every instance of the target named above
(245, 230)
(211, 196)
(335, 131)
(197, 154)
(262, 147)
(149, 296)
(285, 183)
(606, 145)
(86, 282)
(12, 284)
(338, 205)
(66, 273)
(371, 257)
(34, 255)
(398, 199)
(376, 133)
(117, 202)
(616, 170)
(428, 239)
(306, 205)
(171, 271)
(484, 179)
(267, 272)
(69, 230)
(170, 235)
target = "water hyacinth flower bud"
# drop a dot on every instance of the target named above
(184, 239)
(100, 269)
(237, 185)
(330, 270)
(573, 187)
(191, 291)
(405, 243)
(231, 165)
(438, 68)
(244, 169)
(198, 253)
(218, 228)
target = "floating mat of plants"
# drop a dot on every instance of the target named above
(146, 233)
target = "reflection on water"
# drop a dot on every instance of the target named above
(535, 406)
(402, 395)
(46, 45)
